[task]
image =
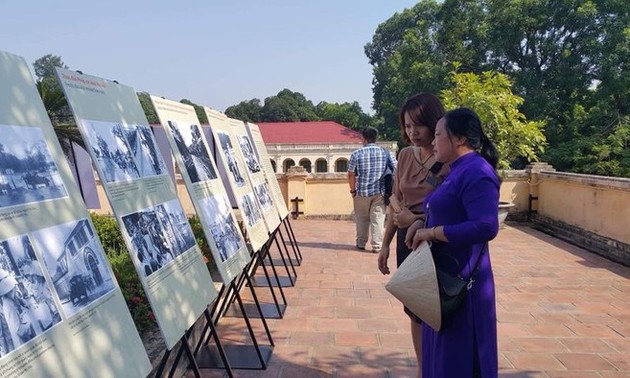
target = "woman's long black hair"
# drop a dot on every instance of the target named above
(464, 122)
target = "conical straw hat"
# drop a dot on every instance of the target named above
(415, 285)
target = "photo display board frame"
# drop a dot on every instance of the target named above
(234, 169)
(205, 188)
(257, 178)
(144, 200)
(270, 174)
(59, 294)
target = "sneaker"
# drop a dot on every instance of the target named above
(360, 248)
(376, 251)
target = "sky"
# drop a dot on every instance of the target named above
(215, 53)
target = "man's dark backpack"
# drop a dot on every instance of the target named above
(387, 179)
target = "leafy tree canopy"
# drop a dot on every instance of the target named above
(289, 106)
(147, 107)
(348, 114)
(201, 113)
(490, 95)
(414, 52)
(569, 60)
(44, 67)
(249, 111)
(55, 101)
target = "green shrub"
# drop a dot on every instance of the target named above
(195, 224)
(125, 272)
(109, 233)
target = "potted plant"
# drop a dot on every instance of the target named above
(504, 209)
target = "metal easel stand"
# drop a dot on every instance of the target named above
(291, 236)
(185, 347)
(290, 279)
(273, 310)
(251, 357)
(283, 243)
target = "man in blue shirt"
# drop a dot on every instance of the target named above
(365, 169)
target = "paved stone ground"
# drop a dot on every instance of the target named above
(562, 311)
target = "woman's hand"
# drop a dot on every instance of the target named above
(382, 259)
(404, 218)
(395, 204)
(412, 230)
(413, 240)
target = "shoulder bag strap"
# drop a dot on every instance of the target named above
(473, 275)
(387, 165)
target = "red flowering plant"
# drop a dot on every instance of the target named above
(132, 291)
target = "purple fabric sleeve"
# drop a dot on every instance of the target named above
(480, 198)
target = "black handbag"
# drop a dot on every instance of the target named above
(388, 182)
(454, 289)
(387, 179)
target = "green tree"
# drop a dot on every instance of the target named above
(249, 111)
(572, 66)
(55, 101)
(201, 113)
(549, 52)
(568, 59)
(147, 107)
(490, 95)
(44, 67)
(605, 151)
(348, 114)
(288, 106)
(413, 52)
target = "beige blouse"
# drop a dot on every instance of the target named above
(410, 179)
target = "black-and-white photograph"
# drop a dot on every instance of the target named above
(111, 151)
(144, 149)
(175, 226)
(27, 308)
(28, 172)
(250, 209)
(250, 155)
(189, 141)
(262, 193)
(232, 163)
(76, 263)
(158, 235)
(226, 235)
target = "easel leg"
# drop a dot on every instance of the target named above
(294, 243)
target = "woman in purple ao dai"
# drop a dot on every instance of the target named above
(462, 216)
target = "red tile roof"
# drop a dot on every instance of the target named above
(322, 132)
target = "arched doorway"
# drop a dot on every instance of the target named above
(341, 165)
(92, 263)
(306, 164)
(321, 166)
(288, 163)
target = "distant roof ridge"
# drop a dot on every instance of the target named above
(307, 132)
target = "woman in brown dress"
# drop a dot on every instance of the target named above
(417, 174)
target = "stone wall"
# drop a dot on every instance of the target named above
(614, 250)
(586, 210)
(591, 211)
